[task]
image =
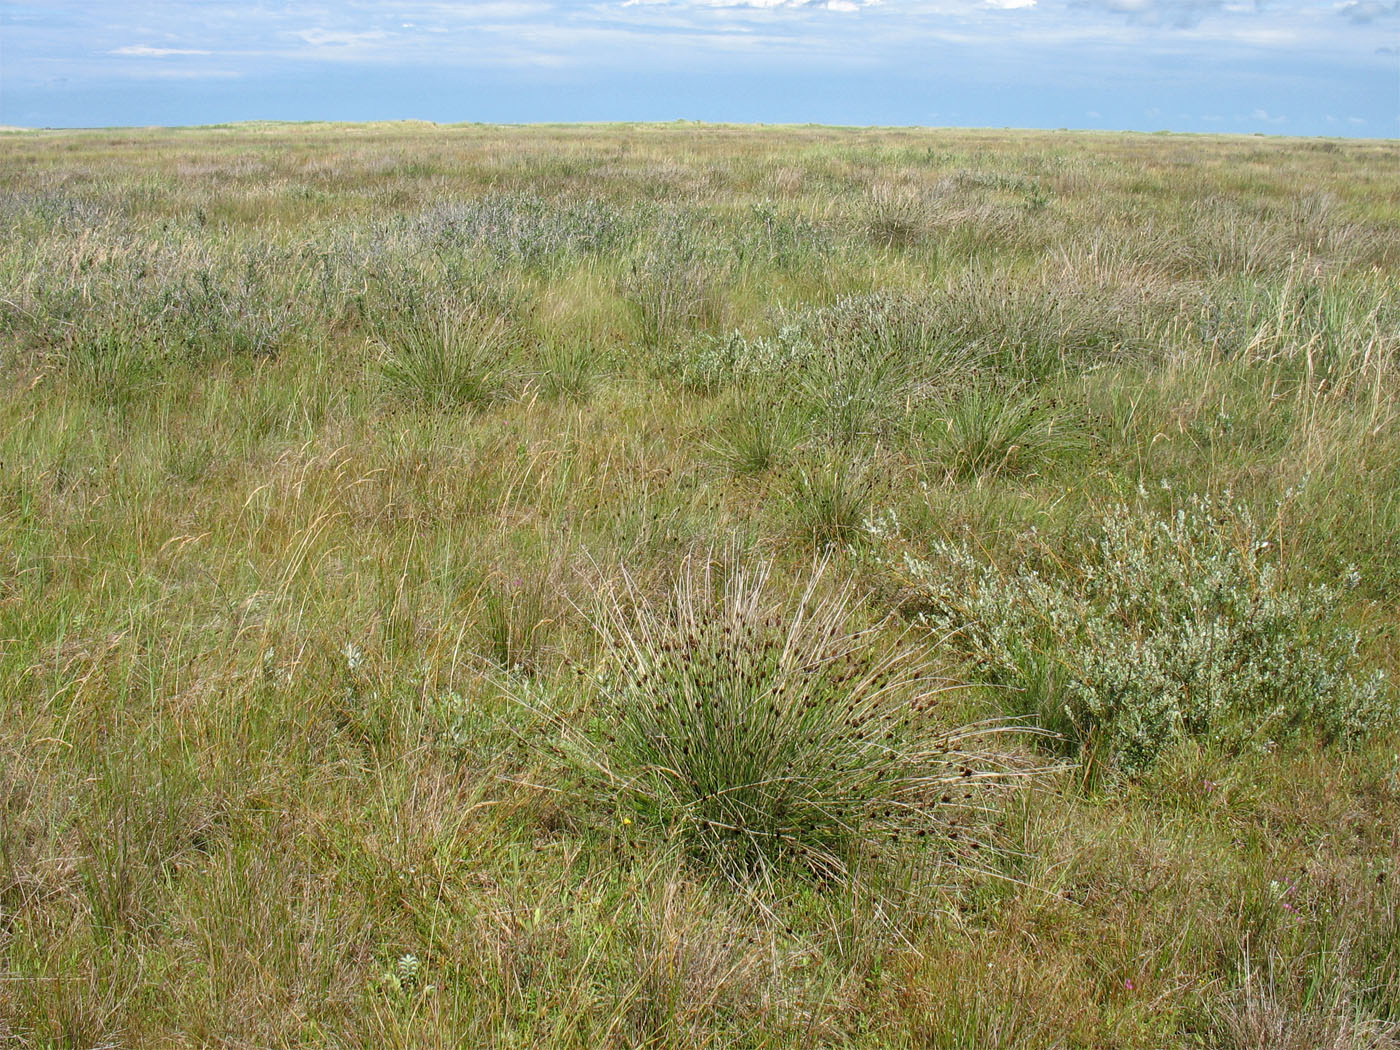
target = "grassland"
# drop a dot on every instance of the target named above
(347, 475)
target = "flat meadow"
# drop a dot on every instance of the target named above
(698, 586)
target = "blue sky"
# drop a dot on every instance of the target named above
(1295, 67)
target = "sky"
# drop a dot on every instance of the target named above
(1282, 67)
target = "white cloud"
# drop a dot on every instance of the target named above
(477, 10)
(1178, 14)
(140, 50)
(165, 73)
(1009, 5)
(1267, 117)
(1364, 12)
(764, 5)
(334, 38)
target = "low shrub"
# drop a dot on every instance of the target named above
(1170, 627)
(712, 362)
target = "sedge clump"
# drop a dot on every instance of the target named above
(764, 736)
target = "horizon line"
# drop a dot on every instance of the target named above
(679, 121)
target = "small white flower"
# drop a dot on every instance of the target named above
(353, 656)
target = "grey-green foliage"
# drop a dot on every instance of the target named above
(854, 389)
(852, 369)
(1172, 627)
(865, 361)
(781, 238)
(528, 230)
(714, 361)
(852, 331)
(173, 301)
(672, 284)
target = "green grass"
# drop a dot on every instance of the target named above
(353, 477)
(446, 363)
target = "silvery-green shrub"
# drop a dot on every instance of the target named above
(1169, 627)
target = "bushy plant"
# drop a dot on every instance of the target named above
(712, 362)
(863, 360)
(445, 362)
(526, 229)
(753, 438)
(672, 285)
(831, 501)
(781, 238)
(989, 431)
(1170, 627)
(762, 737)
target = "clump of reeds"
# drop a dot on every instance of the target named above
(761, 736)
(754, 437)
(987, 432)
(831, 501)
(446, 362)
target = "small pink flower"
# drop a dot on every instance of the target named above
(1128, 985)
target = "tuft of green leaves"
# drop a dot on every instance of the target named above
(570, 371)
(446, 362)
(754, 437)
(987, 432)
(763, 737)
(831, 501)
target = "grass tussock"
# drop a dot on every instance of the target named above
(760, 735)
(447, 362)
